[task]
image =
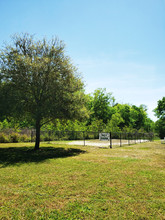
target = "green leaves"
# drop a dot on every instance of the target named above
(100, 105)
(43, 82)
(160, 113)
(160, 110)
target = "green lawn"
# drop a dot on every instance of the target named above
(76, 182)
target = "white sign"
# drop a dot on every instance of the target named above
(104, 136)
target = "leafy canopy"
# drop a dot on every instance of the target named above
(160, 113)
(160, 110)
(39, 82)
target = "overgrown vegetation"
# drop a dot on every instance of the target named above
(61, 182)
(14, 137)
(104, 115)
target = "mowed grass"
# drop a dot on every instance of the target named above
(75, 182)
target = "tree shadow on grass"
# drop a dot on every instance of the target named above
(19, 155)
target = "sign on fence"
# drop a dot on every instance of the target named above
(163, 141)
(104, 136)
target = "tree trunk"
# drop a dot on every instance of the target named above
(37, 142)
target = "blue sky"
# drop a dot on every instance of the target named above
(116, 44)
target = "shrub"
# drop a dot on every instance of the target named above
(41, 138)
(46, 137)
(4, 138)
(14, 137)
(24, 138)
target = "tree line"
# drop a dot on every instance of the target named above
(41, 88)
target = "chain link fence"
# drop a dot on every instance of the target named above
(113, 138)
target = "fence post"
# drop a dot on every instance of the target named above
(49, 136)
(110, 138)
(84, 137)
(120, 140)
(152, 136)
(31, 135)
(128, 139)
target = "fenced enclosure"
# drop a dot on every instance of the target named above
(84, 137)
(93, 138)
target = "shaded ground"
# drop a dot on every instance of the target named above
(14, 155)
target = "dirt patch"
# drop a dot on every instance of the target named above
(98, 143)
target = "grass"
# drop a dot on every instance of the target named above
(76, 182)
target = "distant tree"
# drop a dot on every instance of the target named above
(133, 117)
(160, 109)
(160, 127)
(100, 105)
(160, 113)
(38, 82)
(149, 125)
(96, 125)
(124, 111)
(114, 123)
(138, 116)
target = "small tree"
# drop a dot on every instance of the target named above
(40, 81)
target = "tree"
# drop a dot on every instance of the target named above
(100, 105)
(149, 125)
(124, 111)
(41, 80)
(160, 127)
(114, 123)
(160, 113)
(160, 110)
(138, 116)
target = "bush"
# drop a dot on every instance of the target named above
(156, 138)
(47, 138)
(14, 137)
(24, 138)
(4, 138)
(41, 138)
